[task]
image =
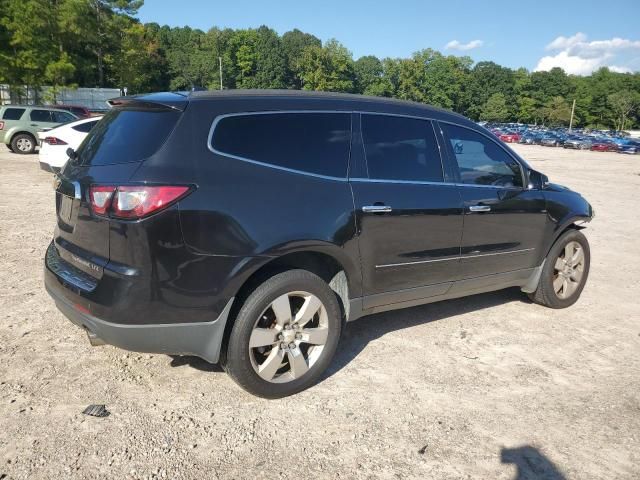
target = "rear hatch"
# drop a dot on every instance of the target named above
(114, 149)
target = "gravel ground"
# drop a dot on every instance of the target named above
(489, 386)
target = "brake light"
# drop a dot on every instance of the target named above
(133, 201)
(1, 125)
(100, 197)
(54, 141)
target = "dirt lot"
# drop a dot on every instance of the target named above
(490, 386)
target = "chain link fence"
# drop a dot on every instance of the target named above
(93, 99)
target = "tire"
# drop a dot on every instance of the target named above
(23, 144)
(9, 147)
(297, 289)
(552, 277)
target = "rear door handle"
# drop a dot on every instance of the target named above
(479, 208)
(377, 209)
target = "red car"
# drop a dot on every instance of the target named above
(78, 110)
(604, 147)
(510, 137)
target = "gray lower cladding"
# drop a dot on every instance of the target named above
(203, 340)
(527, 279)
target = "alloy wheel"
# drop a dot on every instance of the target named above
(24, 144)
(289, 336)
(568, 270)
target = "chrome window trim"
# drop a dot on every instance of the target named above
(416, 182)
(460, 257)
(503, 147)
(269, 165)
(360, 179)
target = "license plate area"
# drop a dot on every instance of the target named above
(66, 208)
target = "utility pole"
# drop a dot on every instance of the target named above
(220, 62)
(573, 109)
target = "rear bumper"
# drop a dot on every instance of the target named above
(202, 339)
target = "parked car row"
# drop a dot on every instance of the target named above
(25, 127)
(578, 139)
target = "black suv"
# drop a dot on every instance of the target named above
(246, 227)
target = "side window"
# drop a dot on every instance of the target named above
(399, 148)
(481, 161)
(40, 116)
(12, 113)
(312, 142)
(85, 127)
(62, 117)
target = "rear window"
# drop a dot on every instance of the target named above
(13, 113)
(313, 142)
(125, 136)
(85, 127)
(62, 117)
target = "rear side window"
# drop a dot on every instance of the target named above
(310, 142)
(40, 116)
(85, 127)
(481, 161)
(399, 148)
(125, 136)
(12, 113)
(78, 111)
(62, 117)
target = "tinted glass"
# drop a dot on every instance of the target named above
(400, 148)
(311, 142)
(85, 127)
(481, 161)
(63, 117)
(125, 136)
(78, 111)
(12, 113)
(40, 116)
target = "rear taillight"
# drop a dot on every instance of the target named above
(133, 201)
(100, 197)
(1, 125)
(54, 141)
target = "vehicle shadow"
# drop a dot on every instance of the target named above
(194, 362)
(531, 464)
(357, 335)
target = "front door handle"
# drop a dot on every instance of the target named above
(479, 208)
(377, 209)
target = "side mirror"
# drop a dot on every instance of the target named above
(537, 180)
(71, 153)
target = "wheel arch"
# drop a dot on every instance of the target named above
(12, 133)
(340, 274)
(573, 222)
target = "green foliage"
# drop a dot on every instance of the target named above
(495, 109)
(62, 43)
(327, 68)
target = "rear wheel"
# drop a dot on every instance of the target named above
(23, 143)
(565, 271)
(285, 335)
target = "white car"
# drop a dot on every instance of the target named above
(55, 142)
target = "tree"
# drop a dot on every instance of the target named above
(327, 68)
(557, 111)
(293, 45)
(623, 104)
(496, 108)
(487, 79)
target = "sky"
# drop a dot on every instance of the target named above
(577, 35)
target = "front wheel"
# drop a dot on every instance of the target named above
(285, 335)
(565, 271)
